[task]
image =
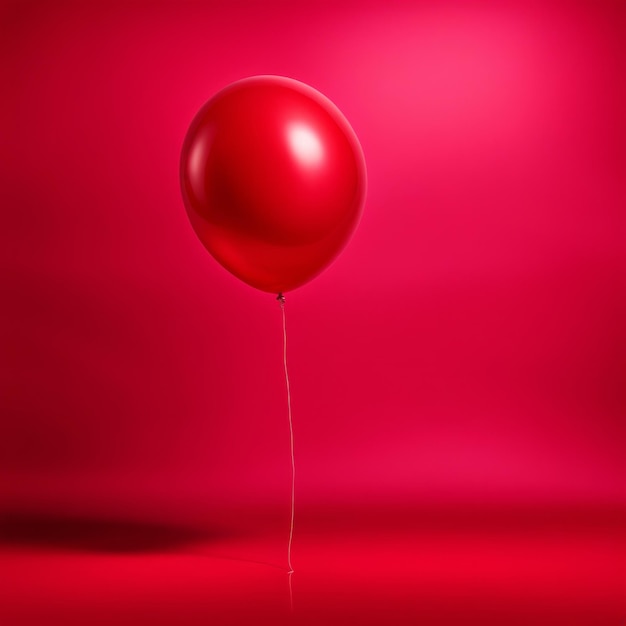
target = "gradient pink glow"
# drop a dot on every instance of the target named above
(461, 362)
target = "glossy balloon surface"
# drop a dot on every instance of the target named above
(273, 179)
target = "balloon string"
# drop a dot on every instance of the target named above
(281, 301)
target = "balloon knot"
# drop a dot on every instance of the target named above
(281, 299)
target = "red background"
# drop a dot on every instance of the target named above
(457, 374)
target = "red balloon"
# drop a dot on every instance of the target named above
(273, 179)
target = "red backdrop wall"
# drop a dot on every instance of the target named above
(467, 345)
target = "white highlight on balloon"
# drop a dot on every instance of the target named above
(305, 145)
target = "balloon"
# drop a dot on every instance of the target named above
(273, 179)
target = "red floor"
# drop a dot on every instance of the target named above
(353, 566)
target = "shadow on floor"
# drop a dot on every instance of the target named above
(84, 534)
